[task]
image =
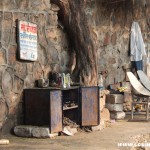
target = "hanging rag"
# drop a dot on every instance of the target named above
(137, 46)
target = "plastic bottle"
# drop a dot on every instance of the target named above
(63, 79)
(101, 86)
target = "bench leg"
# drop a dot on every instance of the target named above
(132, 111)
(147, 110)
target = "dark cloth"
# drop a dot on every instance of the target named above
(138, 65)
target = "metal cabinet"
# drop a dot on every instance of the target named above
(47, 107)
(43, 107)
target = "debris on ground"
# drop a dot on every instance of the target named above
(70, 127)
(142, 139)
(71, 123)
(66, 132)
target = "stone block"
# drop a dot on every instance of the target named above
(114, 86)
(7, 25)
(105, 115)
(17, 85)
(33, 131)
(102, 102)
(102, 96)
(37, 71)
(7, 82)
(101, 126)
(55, 8)
(40, 5)
(23, 131)
(42, 37)
(12, 52)
(106, 39)
(103, 92)
(40, 132)
(114, 99)
(23, 4)
(2, 57)
(127, 97)
(3, 111)
(114, 107)
(112, 61)
(52, 19)
(127, 106)
(117, 115)
(114, 38)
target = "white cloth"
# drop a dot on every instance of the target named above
(137, 47)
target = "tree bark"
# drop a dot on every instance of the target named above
(74, 16)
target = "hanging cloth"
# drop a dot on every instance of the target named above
(137, 46)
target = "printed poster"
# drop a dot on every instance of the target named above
(27, 41)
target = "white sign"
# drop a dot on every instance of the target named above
(27, 41)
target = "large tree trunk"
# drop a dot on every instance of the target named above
(74, 15)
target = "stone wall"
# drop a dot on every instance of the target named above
(108, 22)
(111, 23)
(15, 75)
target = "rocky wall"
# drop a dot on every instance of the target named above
(15, 75)
(111, 22)
(106, 23)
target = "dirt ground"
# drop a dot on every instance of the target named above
(106, 139)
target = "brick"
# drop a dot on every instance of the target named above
(114, 98)
(117, 115)
(114, 107)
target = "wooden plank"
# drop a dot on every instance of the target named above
(68, 108)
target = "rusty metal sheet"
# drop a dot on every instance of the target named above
(89, 106)
(42, 107)
(55, 111)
